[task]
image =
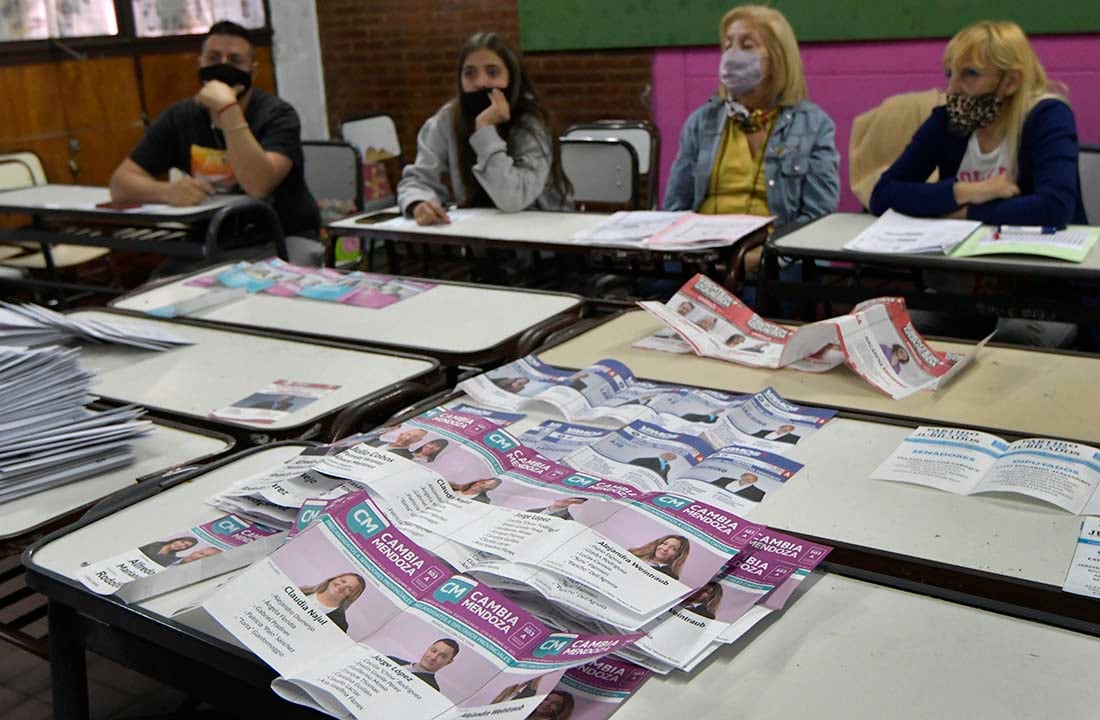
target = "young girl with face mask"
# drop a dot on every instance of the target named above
(1005, 144)
(494, 141)
(759, 147)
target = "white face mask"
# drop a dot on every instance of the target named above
(740, 71)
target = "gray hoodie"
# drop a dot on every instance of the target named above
(515, 174)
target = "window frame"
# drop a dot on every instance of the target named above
(126, 42)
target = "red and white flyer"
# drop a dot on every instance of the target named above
(876, 339)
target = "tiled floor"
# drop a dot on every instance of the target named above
(114, 691)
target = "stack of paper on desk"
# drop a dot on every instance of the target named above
(27, 325)
(894, 233)
(671, 230)
(47, 436)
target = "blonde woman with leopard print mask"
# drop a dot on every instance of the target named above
(1005, 144)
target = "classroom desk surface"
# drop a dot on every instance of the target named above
(854, 651)
(1029, 286)
(842, 649)
(165, 447)
(456, 322)
(81, 201)
(531, 226)
(180, 507)
(826, 237)
(1006, 390)
(1004, 551)
(179, 232)
(140, 635)
(223, 367)
(537, 230)
(833, 497)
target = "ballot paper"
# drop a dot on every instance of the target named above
(894, 233)
(47, 435)
(630, 228)
(274, 402)
(34, 325)
(876, 339)
(670, 230)
(967, 462)
(1084, 572)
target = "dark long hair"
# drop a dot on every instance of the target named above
(523, 101)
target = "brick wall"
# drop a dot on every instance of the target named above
(399, 56)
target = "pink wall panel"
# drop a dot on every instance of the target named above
(848, 78)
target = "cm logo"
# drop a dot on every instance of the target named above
(500, 441)
(362, 520)
(580, 481)
(554, 645)
(453, 590)
(671, 501)
(227, 525)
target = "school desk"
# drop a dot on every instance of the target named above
(842, 648)
(550, 231)
(70, 215)
(190, 382)
(1064, 291)
(24, 520)
(1007, 390)
(457, 323)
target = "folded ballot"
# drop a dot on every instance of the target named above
(968, 462)
(876, 339)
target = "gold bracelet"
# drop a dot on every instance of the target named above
(242, 126)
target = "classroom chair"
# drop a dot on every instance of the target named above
(880, 134)
(375, 135)
(603, 171)
(24, 169)
(642, 135)
(1088, 162)
(334, 176)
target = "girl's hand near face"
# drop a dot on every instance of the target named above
(498, 111)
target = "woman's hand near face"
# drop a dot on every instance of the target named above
(498, 111)
(429, 212)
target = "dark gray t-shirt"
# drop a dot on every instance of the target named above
(169, 140)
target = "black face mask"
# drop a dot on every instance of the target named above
(476, 102)
(231, 75)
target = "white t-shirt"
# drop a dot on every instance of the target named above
(977, 166)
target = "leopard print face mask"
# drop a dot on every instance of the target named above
(967, 113)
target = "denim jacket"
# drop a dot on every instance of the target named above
(801, 163)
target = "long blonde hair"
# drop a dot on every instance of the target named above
(788, 80)
(1002, 45)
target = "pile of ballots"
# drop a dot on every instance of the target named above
(33, 325)
(47, 435)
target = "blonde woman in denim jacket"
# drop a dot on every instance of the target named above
(760, 147)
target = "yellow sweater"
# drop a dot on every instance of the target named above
(737, 182)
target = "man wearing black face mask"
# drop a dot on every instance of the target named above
(229, 137)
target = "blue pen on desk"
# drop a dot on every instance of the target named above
(1024, 230)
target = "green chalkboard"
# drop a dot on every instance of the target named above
(596, 24)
